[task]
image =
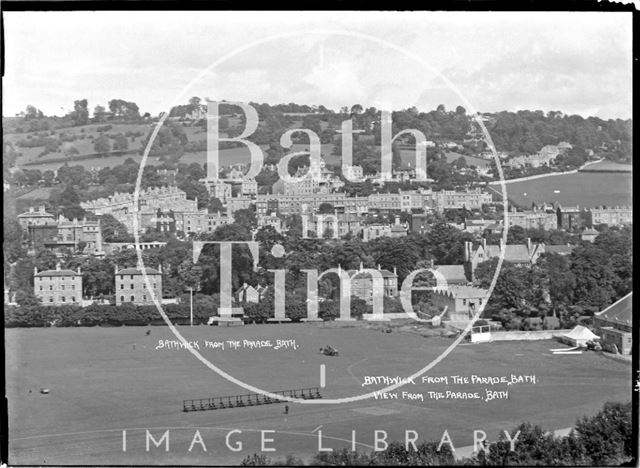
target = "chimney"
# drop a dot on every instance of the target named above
(361, 268)
(31, 209)
(432, 264)
(529, 244)
(160, 267)
(397, 220)
(484, 244)
(116, 266)
(79, 272)
(42, 209)
(467, 251)
(58, 266)
(395, 271)
(379, 267)
(35, 271)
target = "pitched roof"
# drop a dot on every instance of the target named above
(619, 312)
(452, 273)
(515, 253)
(362, 274)
(136, 271)
(559, 249)
(58, 273)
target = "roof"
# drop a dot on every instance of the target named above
(619, 312)
(136, 271)
(398, 228)
(462, 292)
(515, 253)
(58, 273)
(590, 231)
(581, 333)
(361, 274)
(559, 249)
(35, 214)
(452, 273)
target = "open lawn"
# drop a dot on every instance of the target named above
(587, 189)
(100, 385)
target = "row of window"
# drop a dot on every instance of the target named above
(133, 298)
(73, 286)
(144, 285)
(63, 299)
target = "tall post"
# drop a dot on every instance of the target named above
(191, 302)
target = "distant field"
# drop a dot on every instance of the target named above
(587, 189)
(99, 385)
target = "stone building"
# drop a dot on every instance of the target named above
(58, 287)
(614, 325)
(35, 217)
(132, 288)
(365, 287)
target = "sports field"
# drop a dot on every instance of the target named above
(101, 384)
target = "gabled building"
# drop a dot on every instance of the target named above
(462, 302)
(250, 294)
(519, 254)
(364, 287)
(35, 217)
(614, 325)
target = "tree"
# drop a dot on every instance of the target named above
(461, 110)
(246, 218)
(356, 109)
(326, 208)
(33, 113)
(113, 230)
(516, 235)
(215, 205)
(99, 114)
(102, 144)
(80, 112)
(120, 143)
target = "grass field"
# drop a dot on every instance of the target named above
(100, 385)
(587, 189)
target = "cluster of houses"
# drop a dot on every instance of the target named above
(545, 157)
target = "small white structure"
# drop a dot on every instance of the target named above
(579, 336)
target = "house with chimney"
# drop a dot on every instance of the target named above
(614, 326)
(132, 288)
(58, 287)
(462, 302)
(525, 254)
(364, 287)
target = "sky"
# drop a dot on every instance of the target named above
(574, 62)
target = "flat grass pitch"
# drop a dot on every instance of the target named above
(100, 385)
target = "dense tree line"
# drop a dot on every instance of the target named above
(605, 439)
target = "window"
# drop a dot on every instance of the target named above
(51, 299)
(121, 286)
(50, 287)
(73, 298)
(41, 288)
(121, 298)
(121, 277)
(131, 285)
(464, 302)
(133, 298)
(64, 299)
(62, 287)
(131, 276)
(144, 297)
(154, 285)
